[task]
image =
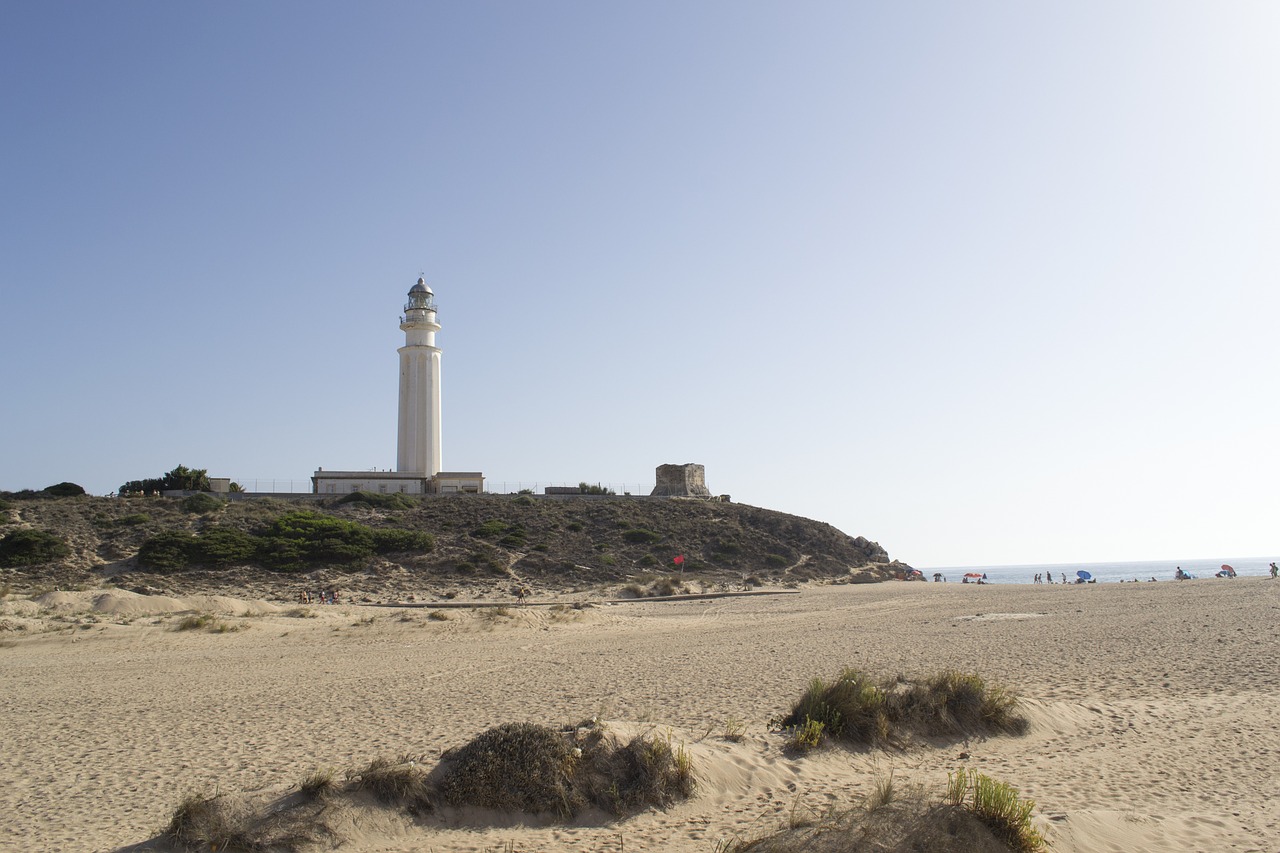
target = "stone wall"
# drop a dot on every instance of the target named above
(688, 480)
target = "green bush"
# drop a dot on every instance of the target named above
(30, 547)
(167, 551)
(640, 536)
(201, 503)
(395, 541)
(224, 546)
(133, 519)
(65, 490)
(395, 500)
(493, 527)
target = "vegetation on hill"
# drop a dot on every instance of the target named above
(565, 542)
(31, 547)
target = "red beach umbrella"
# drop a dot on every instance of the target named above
(973, 574)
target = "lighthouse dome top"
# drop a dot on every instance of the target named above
(421, 298)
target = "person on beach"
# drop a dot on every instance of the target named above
(1274, 571)
(1064, 577)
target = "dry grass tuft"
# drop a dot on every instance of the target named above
(208, 622)
(224, 823)
(400, 782)
(318, 784)
(954, 703)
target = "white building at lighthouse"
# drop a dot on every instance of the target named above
(419, 449)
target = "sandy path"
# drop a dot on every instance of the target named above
(1152, 708)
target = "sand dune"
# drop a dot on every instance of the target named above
(1152, 706)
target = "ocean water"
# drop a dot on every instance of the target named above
(1161, 570)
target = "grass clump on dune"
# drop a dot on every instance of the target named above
(956, 703)
(398, 782)
(998, 806)
(857, 709)
(976, 815)
(233, 823)
(531, 768)
(851, 707)
(214, 822)
(516, 767)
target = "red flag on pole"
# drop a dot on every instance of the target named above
(679, 560)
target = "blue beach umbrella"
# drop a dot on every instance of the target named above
(1083, 575)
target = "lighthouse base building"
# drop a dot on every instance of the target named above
(419, 450)
(394, 482)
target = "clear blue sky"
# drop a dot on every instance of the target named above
(986, 282)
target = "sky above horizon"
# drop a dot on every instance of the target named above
(988, 283)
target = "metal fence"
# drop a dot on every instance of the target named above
(280, 486)
(514, 487)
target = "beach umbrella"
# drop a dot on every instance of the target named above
(973, 574)
(1083, 575)
(1227, 568)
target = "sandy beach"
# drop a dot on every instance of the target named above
(1152, 706)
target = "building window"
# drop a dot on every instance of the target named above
(382, 487)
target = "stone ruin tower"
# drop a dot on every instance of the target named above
(682, 481)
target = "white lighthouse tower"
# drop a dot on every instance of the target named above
(418, 444)
(418, 456)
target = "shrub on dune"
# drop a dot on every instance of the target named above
(531, 768)
(858, 710)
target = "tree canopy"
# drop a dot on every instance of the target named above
(181, 478)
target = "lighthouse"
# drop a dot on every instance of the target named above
(418, 456)
(418, 447)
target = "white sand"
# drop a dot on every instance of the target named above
(1153, 706)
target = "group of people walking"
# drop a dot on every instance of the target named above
(324, 596)
(1048, 578)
